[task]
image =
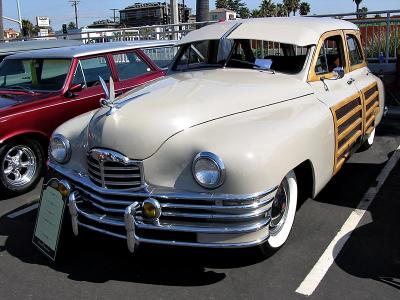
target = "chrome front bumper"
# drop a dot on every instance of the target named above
(186, 219)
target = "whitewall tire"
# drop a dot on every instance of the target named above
(283, 212)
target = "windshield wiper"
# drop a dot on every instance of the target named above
(254, 65)
(20, 87)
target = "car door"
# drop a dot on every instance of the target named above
(339, 94)
(132, 70)
(85, 87)
(364, 80)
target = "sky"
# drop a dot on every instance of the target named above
(61, 11)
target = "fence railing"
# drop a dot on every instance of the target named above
(379, 35)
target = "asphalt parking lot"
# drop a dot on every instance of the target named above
(93, 266)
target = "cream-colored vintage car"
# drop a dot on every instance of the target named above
(253, 114)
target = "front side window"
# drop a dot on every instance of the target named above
(88, 71)
(161, 56)
(129, 65)
(355, 53)
(37, 74)
(330, 56)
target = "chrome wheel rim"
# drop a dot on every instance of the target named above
(18, 166)
(280, 208)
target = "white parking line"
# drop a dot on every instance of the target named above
(312, 280)
(23, 211)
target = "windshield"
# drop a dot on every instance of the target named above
(244, 54)
(32, 75)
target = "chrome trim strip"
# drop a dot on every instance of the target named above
(221, 217)
(232, 29)
(155, 192)
(235, 208)
(234, 229)
(175, 243)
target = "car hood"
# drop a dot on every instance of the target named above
(151, 114)
(9, 99)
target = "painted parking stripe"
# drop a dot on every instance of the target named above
(312, 280)
(23, 211)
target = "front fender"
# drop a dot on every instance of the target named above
(258, 147)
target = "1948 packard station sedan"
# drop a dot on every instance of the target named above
(252, 114)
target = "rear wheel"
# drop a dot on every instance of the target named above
(21, 164)
(282, 214)
(368, 143)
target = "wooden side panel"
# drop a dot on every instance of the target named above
(348, 117)
(353, 118)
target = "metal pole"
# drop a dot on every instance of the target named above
(174, 17)
(19, 16)
(387, 37)
(75, 5)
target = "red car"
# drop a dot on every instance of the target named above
(39, 90)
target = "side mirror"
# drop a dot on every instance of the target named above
(338, 73)
(72, 90)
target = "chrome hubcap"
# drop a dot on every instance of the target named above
(18, 166)
(280, 208)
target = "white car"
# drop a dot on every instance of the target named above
(215, 154)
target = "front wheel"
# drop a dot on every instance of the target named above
(21, 165)
(282, 214)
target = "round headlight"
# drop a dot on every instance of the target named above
(60, 148)
(208, 170)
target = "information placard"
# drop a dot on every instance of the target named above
(49, 222)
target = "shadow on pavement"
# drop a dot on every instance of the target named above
(96, 258)
(373, 250)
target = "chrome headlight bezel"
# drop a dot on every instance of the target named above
(66, 145)
(217, 162)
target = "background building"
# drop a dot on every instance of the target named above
(156, 13)
(106, 24)
(222, 14)
(10, 34)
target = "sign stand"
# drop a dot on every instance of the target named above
(49, 220)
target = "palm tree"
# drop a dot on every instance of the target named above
(267, 8)
(358, 2)
(281, 10)
(304, 8)
(291, 6)
(1, 21)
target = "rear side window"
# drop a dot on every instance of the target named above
(355, 53)
(88, 71)
(330, 56)
(129, 65)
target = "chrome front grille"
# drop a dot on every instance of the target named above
(183, 216)
(112, 170)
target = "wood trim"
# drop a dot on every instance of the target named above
(369, 122)
(372, 97)
(371, 110)
(348, 143)
(312, 76)
(370, 86)
(356, 33)
(349, 115)
(349, 129)
(338, 160)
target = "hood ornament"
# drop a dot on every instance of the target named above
(110, 96)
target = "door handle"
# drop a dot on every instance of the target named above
(350, 81)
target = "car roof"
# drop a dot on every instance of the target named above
(301, 31)
(20, 46)
(90, 49)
